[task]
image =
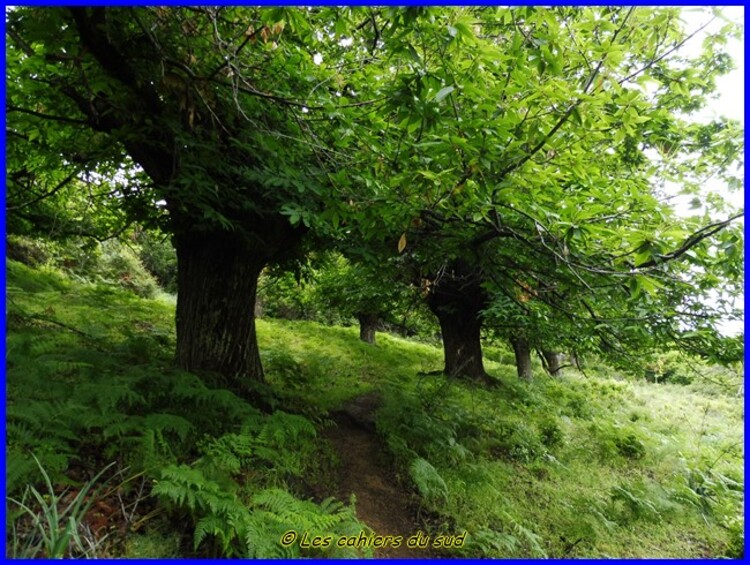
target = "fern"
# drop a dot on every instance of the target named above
(636, 504)
(229, 453)
(176, 425)
(281, 512)
(526, 536)
(285, 442)
(252, 530)
(431, 485)
(491, 542)
(187, 487)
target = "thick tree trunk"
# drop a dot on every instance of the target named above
(553, 362)
(217, 283)
(457, 300)
(462, 346)
(368, 324)
(523, 357)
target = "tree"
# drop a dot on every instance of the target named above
(496, 148)
(528, 152)
(370, 293)
(210, 110)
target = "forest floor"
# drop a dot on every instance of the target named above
(599, 465)
(380, 502)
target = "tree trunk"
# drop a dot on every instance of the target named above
(523, 357)
(553, 362)
(217, 284)
(457, 300)
(462, 346)
(367, 326)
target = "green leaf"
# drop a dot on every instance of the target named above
(440, 96)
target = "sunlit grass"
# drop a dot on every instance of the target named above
(580, 466)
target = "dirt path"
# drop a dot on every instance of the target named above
(381, 504)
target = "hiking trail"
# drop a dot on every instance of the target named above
(380, 502)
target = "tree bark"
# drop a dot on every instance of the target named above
(368, 324)
(457, 300)
(523, 358)
(553, 362)
(217, 282)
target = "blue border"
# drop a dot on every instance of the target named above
(5, 305)
(457, 3)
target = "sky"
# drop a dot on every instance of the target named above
(730, 103)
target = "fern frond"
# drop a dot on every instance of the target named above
(431, 485)
(169, 423)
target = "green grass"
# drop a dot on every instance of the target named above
(579, 466)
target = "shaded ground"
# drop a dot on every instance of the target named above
(381, 504)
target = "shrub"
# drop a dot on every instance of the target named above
(670, 367)
(550, 432)
(122, 266)
(630, 446)
(158, 256)
(518, 441)
(31, 252)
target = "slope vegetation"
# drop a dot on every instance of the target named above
(592, 465)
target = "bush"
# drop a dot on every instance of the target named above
(87, 260)
(122, 266)
(670, 367)
(551, 433)
(630, 446)
(159, 258)
(282, 296)
(519, 442)
(31, 252)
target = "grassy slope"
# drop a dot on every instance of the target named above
(578, 467)
(574, 467)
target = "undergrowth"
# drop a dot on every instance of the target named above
(90, 385)
(579, 466)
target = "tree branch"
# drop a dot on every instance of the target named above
(564, 118)
(57, 188)
(691, 241)
(9, 108)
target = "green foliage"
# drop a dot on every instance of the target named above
(630, 446)
(551, 433)
(26, 250)
(518, 441)
(159, 258)
(614, 440)
(121, 265)
(512, 538)
(152, 545)
(416, 435)
(333, 290)
(56, 527)
(430, 484)
(252, 529)
(73, 397)
(640, 500)
(282, 295)
(527, 469)
(111, 262)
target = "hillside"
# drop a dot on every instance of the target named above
(592, 465)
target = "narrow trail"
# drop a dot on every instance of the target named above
(381, 504)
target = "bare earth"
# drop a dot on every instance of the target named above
(380, 503)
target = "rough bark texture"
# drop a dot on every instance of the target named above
(457, 299)
(368, 324)
(217, 281)
(217, 268)
(523, 357)
(553, 362)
